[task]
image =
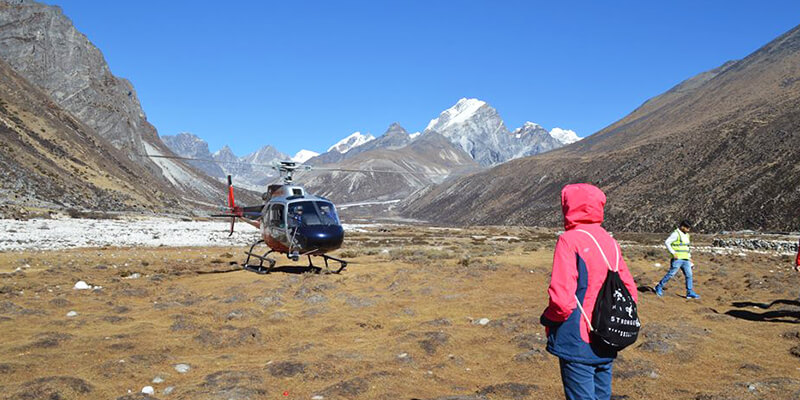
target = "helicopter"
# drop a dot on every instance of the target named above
(291, 221)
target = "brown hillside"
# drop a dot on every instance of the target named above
(50, 159)
(722, 148)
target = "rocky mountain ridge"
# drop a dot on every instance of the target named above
(41, 44)
(430, 159)
(471, 124)
(250, 171)
(186, 144)
(720, 148)
(51, 160)
(480, 131)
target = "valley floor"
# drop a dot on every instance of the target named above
(420, 313)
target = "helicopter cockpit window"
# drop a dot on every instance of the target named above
(276, 216)
(312, 213)
(327, 213)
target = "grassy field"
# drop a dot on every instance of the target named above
(406, 320)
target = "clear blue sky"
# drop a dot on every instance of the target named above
(305, 74)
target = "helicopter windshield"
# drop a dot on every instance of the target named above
(312, 213)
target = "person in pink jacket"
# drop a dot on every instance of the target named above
(579, 272)
(797, 260)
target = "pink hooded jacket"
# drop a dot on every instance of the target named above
(797, 260)
(579, 270)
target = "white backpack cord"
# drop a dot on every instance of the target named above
(608, 264)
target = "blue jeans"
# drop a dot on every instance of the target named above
(683, 265)
(586, 381)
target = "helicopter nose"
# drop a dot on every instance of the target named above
(324, 238)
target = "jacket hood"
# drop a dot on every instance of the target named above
(582, 203)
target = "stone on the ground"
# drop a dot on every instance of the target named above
(182, 368)
(81, 285)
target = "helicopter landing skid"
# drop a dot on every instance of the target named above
(342, 264)
(259, 268)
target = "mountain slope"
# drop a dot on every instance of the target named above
(427, 160)
(534, 140)
(41, 44)
(51, 160)
(186, 144)
(395, 137)
(720, 148)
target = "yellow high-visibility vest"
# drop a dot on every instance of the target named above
(681, 247)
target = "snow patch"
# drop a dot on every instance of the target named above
(565, 136)
(458, 114)
(533, 125)
(354, 140)
(355, 227)
(304, 155)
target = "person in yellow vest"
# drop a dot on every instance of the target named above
(678, 246)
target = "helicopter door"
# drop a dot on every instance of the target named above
(277, 223)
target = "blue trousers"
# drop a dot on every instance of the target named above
(586, 381)
(684, 266)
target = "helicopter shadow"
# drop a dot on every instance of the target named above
(287, 269)
(782, 316)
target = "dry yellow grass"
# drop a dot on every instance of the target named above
(395, 325)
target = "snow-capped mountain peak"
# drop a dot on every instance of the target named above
(526, 129)
(265, 155)
(565, 136)
(531, 125)
(413, 136)
(457, 114)
(303, 155)
(354, 140)
(477, 128)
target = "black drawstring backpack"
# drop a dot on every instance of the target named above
(615, 320)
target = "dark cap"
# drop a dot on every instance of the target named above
(686, 223)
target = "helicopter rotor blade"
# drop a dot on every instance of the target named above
(207, 160)
(312, 168)
(296, 166)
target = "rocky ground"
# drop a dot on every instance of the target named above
(422, 313)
